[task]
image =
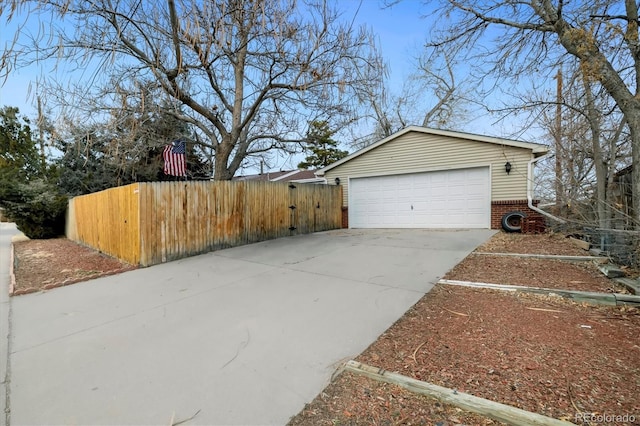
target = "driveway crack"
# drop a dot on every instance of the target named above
(240, 347)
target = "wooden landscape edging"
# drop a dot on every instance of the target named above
(632, 285)
(495, 410)
(597, 259)
(611, 299)
(611, 271)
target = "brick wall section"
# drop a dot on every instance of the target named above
(499, 208)
(345, 217)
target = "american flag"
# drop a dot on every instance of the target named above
(175, 162)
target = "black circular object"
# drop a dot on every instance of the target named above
(512, 221)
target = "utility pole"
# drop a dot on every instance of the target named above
(560, 205)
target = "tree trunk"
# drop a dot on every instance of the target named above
(602, 210)
(577, 42)
(559, 187)
(633, 121)
(221, 172)
(221, 167)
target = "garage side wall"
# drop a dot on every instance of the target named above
(417, 152)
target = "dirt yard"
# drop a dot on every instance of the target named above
(46, 264)
(542, 354)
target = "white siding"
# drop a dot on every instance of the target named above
(415, 152)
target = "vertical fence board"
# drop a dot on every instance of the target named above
(145, 222)
(150, 223)
(71, 227)
(108, 221)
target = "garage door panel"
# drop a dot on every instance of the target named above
(421, 206)
(443, 199)
(454, 205)
(404, 193)
(441, 192)
(456, 191)
(476, 188)
(476, 217)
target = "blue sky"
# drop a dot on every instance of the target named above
(400, 31)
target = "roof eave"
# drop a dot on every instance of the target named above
(540, 152)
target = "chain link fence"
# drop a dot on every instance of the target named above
(622, 246)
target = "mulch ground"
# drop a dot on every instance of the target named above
(46, 264)
(543, 355)
(534, 273)
(356, 400)
(552, 243)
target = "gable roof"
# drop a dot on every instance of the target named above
(536, 148)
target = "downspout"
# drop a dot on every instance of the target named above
(323, 177)
(530, 191)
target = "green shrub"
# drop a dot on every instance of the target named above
(36, 207)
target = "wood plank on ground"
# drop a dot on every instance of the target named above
(611, 271)
(597, 259)
(584, 245)
(495, 410)
(632, 285)
(578, 296)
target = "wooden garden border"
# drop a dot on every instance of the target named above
(495, 410)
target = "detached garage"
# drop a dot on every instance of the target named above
(428, 178)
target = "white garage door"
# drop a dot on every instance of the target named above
(444, 199)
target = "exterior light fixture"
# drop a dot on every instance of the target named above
(507, 167)
(337, 180)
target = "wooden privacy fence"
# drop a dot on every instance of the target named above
(149, 223)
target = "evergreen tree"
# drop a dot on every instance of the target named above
(126, 148)
(322, 148)
(27, 193)
(19, 156)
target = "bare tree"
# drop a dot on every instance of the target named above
(590, 142)
(528, 38)
(436, 75)
(432, 96)
(590, 145)
(247, 74)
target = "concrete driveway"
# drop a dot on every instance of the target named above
(240, 336)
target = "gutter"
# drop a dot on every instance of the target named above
(320, 175)
(530, 191)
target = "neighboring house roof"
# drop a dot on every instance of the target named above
(263, 176)
(537, 149)
(627, 170)
(302, 176)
